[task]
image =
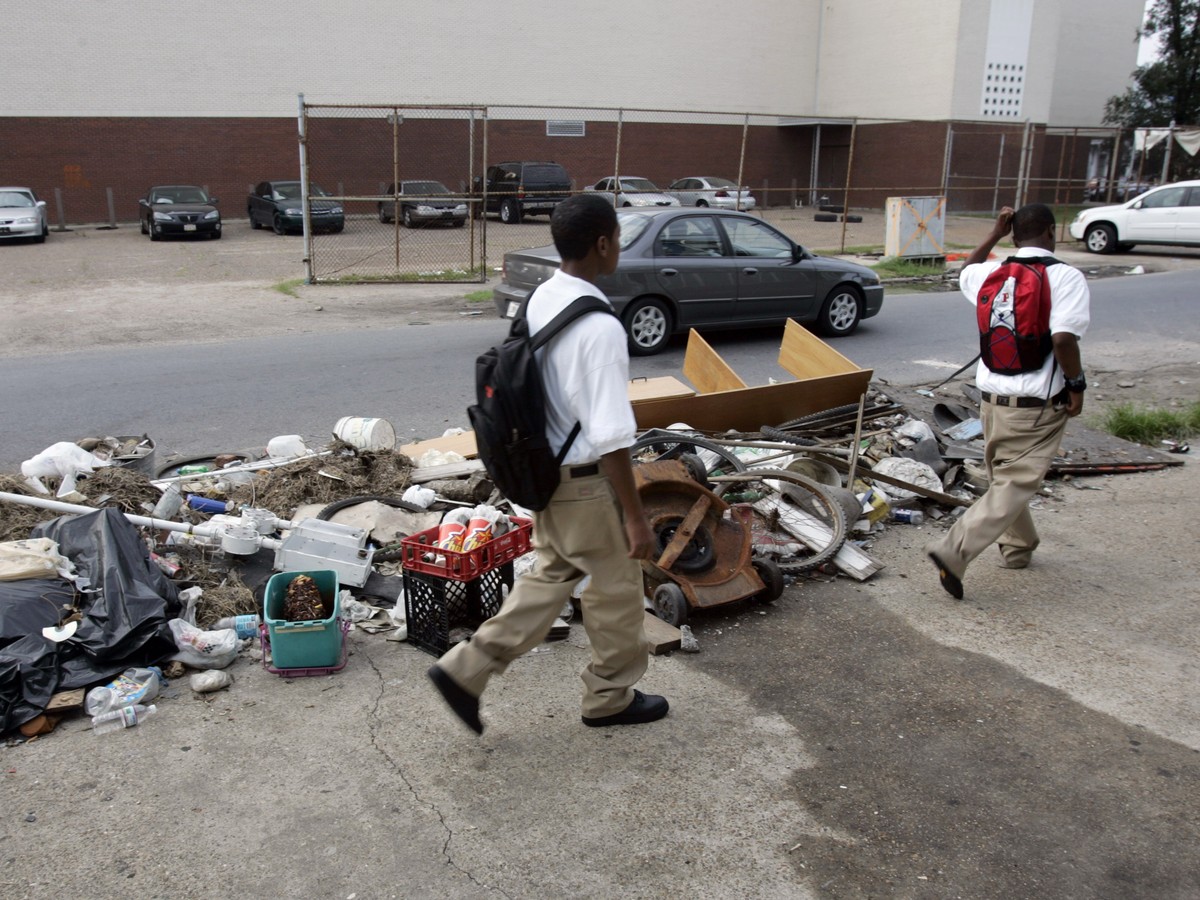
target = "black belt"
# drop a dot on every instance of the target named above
(1021, 402)
(583, 471)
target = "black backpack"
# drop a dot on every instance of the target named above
(509, 416)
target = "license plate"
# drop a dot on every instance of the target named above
(4, 229)
(189, 227)
(511, 312)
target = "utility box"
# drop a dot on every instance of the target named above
(916, 228)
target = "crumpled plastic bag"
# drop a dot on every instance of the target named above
(62, 460)
(204, 649)
(33, 558)
(909, 470)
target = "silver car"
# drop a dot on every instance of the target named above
(22, 214)
(707, 190)
(631, 190)
(708, 268)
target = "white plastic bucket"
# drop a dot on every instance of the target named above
(366, 433)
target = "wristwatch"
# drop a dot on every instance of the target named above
(1076, 385)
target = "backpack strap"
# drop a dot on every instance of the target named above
(1033, 260)
(578, 307)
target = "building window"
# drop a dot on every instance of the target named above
(566, 128)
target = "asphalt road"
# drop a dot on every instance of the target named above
(237, 394)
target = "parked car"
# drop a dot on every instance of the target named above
(706, 190)
(174, 209)
(689, 268)
(22, 214)
(1169, 214)
(423, 203)
(632, 190)
(280, 204)
(519, 189)
(1124, 188)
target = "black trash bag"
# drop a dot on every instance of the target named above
(126, 602)
(31, 604)
(29, 677)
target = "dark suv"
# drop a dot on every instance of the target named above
(518, 189)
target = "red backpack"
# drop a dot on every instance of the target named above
(1013, 313)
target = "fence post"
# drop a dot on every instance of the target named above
(946, 161)
(999, 172)
(1166, 170)
(793, 192)
(396, 185)
(616, 182)
(112, 208)
(846, 195)
(1112, 168)
(58, 203)
(737, 201)
(302, 125)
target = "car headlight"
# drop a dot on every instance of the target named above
(335, 210)
(462, 207)
(1078, 218)
(425, 208)
(293, 212)
(26, 220)
(162, 217)
(212, 215)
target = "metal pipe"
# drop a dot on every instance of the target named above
(737, 202)
(302, 124)
(846, 196)
(261, 465)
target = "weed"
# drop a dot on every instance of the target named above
(903, 268)
(479, 296)
(289, 287)
(1146, 425)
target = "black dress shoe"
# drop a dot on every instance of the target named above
(464, 705)
(951, 582)
(644, 708)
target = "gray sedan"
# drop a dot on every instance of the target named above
(22, 214)
(693, 268)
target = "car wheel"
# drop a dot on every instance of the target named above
(648, 325)
(383, 217)
(408, 218)
(337, 229)
(40, 238)
(254, 223)
(459, 223)
(277, 224)
(142, 225)
(216, 235)
(510, 212)
(841, 313)
(1100, 238)
(154, 235)
(626, 204)
(702, 203)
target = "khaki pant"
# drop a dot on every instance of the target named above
(580, 533)
(1020, 445)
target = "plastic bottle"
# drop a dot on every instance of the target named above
(911, 516)
(125, 717)
(132, 686)
(245, 626)
(168, 505)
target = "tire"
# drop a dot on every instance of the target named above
(1100, 238)
(841, 312)
(337, 229)
(40, 238)
(142, 225)
(813, 420)
(786, 437)
(407, 216)
(459, 223)
(384, 217)
(698, 555)
(510, 212)
(395, 502)
(648, 326)
(702, 203)
(626, 205)
(696, 468)
(154, 235)
(669, 604)
(825, 217)
(660, 443)
(254, 223)
(853, 220)
(772, 578)
(831, 208)
(277, 224)
(216, 235)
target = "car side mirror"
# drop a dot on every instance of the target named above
(213, 200)
(1137, 204)
(42, 204)
(798, 253)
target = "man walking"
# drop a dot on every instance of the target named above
(594, 524)
(1024, 415)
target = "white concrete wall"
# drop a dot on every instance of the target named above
(867, 58)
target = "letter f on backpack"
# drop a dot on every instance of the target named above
(1013, 315)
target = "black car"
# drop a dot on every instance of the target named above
(684, 268)
(519, 189)
(280, 204)
(423, 203)
(174, 209)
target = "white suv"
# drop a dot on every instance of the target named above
(1165, 215)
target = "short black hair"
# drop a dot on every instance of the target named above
(579, 221)
(1031, 221)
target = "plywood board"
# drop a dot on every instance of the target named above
(458, 443)
(704, 368)
(660, 386)
(805, 355)
(661, 636)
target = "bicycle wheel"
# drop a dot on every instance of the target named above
(660, 443)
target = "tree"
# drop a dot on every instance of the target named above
(1167, 90)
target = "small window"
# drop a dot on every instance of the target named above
(566, 128)
(693, 236)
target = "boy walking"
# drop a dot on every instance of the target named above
(1024, 415)
(594, 524)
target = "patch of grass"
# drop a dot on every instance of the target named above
(289, 287)
(1147, 425)
(479, 296)
(442, 275)
(904, 268)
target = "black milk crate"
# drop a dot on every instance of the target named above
(434, 605)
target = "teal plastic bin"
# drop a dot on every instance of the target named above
(303, 645)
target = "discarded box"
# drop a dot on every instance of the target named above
(433, 605)
(723, 400)
(303, 645)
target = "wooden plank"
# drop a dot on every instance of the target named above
(805, 355)
(684, 532)
(449, 470)
(814, 533)
(659, 386)
(661, 636)
(705, 369)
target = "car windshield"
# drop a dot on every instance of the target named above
(721, 183)
(632, 226)
(12, 199)
(286, 190)
(638, 184)
(425, 187)
(179, 195)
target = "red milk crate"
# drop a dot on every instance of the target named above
(469, 564)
